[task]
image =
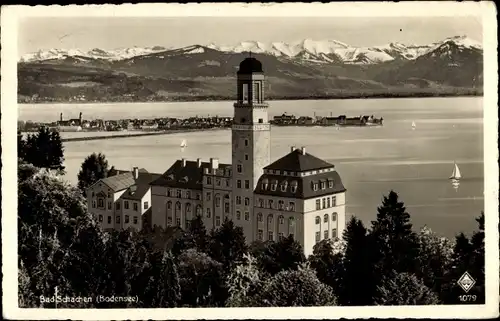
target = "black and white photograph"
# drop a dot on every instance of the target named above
(171, 158)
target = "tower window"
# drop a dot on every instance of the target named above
(243, 120)
(246, 142)
(261, 120)
(245, 92)
(246, 157)
(239, 168)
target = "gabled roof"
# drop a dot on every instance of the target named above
(140, 187)
(189, 176)
(120, 181)
(297, 162)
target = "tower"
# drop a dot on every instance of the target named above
(251, 138)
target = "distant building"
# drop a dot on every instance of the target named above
(298, 195)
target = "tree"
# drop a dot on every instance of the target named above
(404, 289)
(227, 244)
(327, 264)
(359, 279)
(169, 285)
(94, 168)
(244, 283)
(295, 288)
(21, 146)
(392, 234)
(434, 258)
(44, 150)
(198, 274)
(285, 254)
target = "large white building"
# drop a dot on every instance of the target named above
(298, 194)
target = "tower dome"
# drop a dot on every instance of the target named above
(250, 65)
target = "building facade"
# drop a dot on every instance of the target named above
(298, 194)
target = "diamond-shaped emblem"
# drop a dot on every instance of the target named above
(466, 282)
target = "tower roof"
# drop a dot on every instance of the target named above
(250, 65)
(297, 161)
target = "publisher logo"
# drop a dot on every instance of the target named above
(466, 282)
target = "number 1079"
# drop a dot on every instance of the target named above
(467, 298)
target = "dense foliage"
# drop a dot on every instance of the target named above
(43, 149)
(94, 167)
(61, 245)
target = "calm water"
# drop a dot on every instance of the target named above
(371, 161)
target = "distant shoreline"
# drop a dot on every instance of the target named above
(379, 95)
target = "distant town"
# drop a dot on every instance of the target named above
(191, 123)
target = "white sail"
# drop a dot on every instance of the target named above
(456, 173)
(183, 143)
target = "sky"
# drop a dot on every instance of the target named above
(85, 33)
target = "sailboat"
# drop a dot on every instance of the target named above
(183, 143)
(413, 125)
(456, 175)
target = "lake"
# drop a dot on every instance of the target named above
(371, 161)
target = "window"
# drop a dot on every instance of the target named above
(178, 221)
(198, 196)
(239, 168)
(169, 192)
(293, 189)
(117, 205)
(209, 212)
(270, 219)
(217, 221)
(318, 204)
(100, 202)
(187, 223)
(323, 185)
(217, 201)
(247, 216)
(328, 202)
(179, 193)
(217, 182)
(207, 196)
(199, 210)
(227, 183)
(291, 206)
(260, 235)
(247, 184)
(261, 120)
(245, 92)
(270, 236)
(256, 91)
(315, 186)
(318, 220)
(334, 233)
(334, 201)
(126, 205)
(318, 237)
(238, 183)
(188, 207)
(271, 203)
(330, 184)
(281, 219)
(93, 194)
(325, 234)
(291, 235)
(334, 216)
(325, 218)
(280, 236)
(238, 215)
(110, 205)
(136, 206)
(246, 157)
(284, 186)
(246, 142)
(109, 195)
(209, 180)
(117, 220)
(259, 217)
(100, 218)
(274, 185)
(178, 205)
(169, 221)
(281, 205)
(261, 202)
(109, 219)
(126, 219)
(169, 205)
(93, 204)
(135, 220)
(324, 202)
(247, 201)
(226, 207)
(188, 194)
(238, 200)
(291, 221)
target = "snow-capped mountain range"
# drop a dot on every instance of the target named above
(314, 51)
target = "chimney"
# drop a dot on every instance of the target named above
(60, 116)
(183, 162)
(136, 172)
(303, 150)
(214, 163)
(80, 117)
(198, 162)
(292, 149)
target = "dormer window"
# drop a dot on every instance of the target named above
(274, 185)
(184, 179)
(284, 185)
(323, 185)
(265, 184)
(293, 186)
(315, 186)
(170, 177)
(330, 184)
